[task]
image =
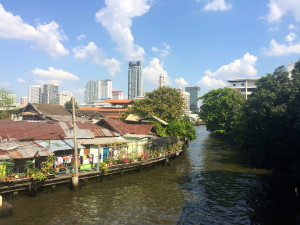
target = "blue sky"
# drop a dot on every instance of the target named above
(192, 42)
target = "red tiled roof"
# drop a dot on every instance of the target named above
(104, 109)
(123, 101)
(123, 128)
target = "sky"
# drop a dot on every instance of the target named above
(191, 42)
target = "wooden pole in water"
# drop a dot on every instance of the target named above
(75, 179)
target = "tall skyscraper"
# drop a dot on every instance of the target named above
(95, 90)
(50, 94)
(194, 95)
(135, 80)
(34, 94)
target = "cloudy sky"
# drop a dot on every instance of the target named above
(191, 42)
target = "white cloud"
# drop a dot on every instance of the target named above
(90, 52)
(45, 37)
(181, 82)
(217, 5)
(152, 72)
(239, 68)
(52, 73)
(292, 27)
(116, 18)
(290, 37)
(273, 29)
(80, 37)
(21, 80)
(280, 8)
(277, 49)
(113, 66)
(163, 52)
(42, 82)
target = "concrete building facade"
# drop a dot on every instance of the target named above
(135, 80)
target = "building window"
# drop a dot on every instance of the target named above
(242, 84)
(233, 85)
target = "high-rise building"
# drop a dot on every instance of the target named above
(135, 80)
(50, 94)
(186, 101)
(96, 90)
(118, 95)
(64, 96)
(194, 96)
(34, 94)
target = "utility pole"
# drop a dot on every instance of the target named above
(75, 179)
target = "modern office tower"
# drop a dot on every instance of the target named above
(244, 85)
(135, 80)
(161, 81)
(23, 101)
(194, 96)
(50, 94)
(34, 94)
(95, 90)
(117, 95)
(64, 96)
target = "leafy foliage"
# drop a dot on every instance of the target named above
(68, 105)
(221, 109)
(5, 102)
(165, 103)
(182, 128)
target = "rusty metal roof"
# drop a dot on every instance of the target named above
(23, 130)
(124, 128)
(21, 150)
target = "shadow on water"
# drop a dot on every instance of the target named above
(222, 188)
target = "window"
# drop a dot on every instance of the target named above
(233, 85)
(242, 84)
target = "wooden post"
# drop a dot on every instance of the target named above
(75, 179)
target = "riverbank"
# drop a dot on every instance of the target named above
(31, 186)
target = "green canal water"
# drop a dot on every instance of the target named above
(208, 184)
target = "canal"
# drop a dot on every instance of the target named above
(210, 183)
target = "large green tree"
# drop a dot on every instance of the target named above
(165, 103)
(221, 110)
(271, 121)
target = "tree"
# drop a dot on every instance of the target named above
(6, 101)
(221, 109)
(165, 103)
(271, 118)
(68, 105)
(183, 128)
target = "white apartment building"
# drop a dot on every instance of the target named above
(135, 80)
(64, 96)
(34, 93)
(244, 85)
(118, 95)
(186, 102)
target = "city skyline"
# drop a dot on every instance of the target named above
(192, 43)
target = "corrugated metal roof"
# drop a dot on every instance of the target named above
(22, 150)
(103, 141)
(58, 145)
(23, 130)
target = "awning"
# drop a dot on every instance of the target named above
(103, 141)
(57, 145)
